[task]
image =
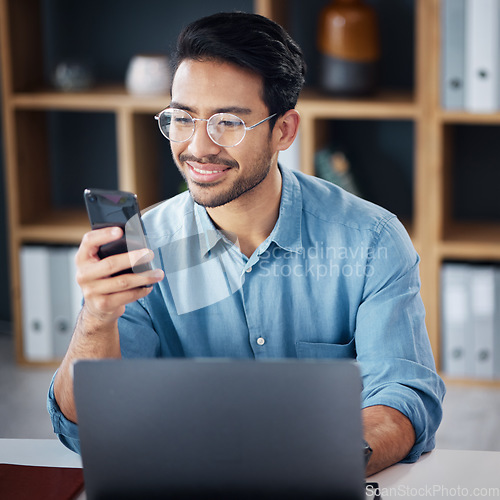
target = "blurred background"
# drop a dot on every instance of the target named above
(104, 37)
(82, 83)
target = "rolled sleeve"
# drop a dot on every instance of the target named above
(392, 344)
(417, 395)
(66, 431)
(137, 339)
(130, 331)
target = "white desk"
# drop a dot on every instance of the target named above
(443, 474)
(440, 474)
(40, 452)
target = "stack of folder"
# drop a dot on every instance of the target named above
(471, 320)
(470, 55)
(51, 300)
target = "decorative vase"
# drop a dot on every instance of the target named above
(148, 75)
(348, 40)
(73, 75)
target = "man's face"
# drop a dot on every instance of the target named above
(217, 175)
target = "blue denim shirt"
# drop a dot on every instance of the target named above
(337, 278)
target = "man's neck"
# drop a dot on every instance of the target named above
(251, 217)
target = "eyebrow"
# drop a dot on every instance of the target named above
(228, 109)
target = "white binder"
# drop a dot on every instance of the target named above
(36, 306)
(75, 292)
(452, 54)
(62, 322)
(496, 328)
(458, 355)
(482, 36)
(483, 319)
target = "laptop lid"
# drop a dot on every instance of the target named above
(212, 428)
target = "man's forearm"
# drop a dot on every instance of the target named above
(389, 433)
(88, 342)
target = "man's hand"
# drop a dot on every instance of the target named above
(389, 433)
(96, 332)
(105, 295)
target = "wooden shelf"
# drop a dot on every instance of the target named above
(471, 241)
(494, 384)
(381, 106)
(385, 105)
(58, 226)
(139, 153)
(469, 251)
(102, 98)
(463, 117)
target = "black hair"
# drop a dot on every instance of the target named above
(253, 42)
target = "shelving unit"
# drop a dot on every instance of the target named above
(33, 218)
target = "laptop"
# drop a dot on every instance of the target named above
(218, 428)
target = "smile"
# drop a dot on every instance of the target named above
(206, 172)
(210, 174)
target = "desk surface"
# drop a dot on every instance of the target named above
(443, 474)
(40, 452)
(439, 474)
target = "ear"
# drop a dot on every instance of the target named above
(286, 129)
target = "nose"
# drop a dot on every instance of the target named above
(200, 144)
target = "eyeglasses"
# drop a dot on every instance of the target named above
(225, 129)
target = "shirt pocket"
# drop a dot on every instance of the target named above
(321, 350)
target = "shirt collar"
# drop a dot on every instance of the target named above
(208, 234)
(287, 231)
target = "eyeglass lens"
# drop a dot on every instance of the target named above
(224, 129)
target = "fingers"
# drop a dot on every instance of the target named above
(93, 240)
(122, 282)
(96, 269)
(110, 306)
(91, 267)
(106, 293)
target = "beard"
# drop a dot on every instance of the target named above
(209, 195)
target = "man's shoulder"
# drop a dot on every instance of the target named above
(328, 202)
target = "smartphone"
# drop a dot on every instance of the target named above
(108, 208)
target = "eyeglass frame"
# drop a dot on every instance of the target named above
(194, 120)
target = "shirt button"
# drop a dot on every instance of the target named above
(261, 341)
(249, 270)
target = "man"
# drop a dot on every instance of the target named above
(258, 261)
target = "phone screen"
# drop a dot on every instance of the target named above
(107, 208)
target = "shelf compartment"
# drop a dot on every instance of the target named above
(471, 175)
(397, 28)
(50, 177)
(379, 153)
